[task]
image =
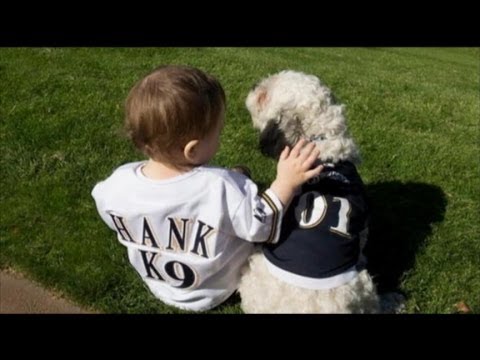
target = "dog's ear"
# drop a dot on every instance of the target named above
(261, 98)
(272, 140)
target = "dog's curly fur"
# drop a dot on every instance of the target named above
(285, 107)
(290, 105)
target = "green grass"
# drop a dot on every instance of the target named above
(414, 112)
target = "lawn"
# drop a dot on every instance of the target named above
(413, 111)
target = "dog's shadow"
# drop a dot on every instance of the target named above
(402, 215)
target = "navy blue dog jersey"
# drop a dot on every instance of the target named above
(320, 231)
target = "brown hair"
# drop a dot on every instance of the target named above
(171, 106)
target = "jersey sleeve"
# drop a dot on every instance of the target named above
(98, 195)
(258, 216)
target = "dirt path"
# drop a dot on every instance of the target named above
(19, 295)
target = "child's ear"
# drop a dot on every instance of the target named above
(190, 150)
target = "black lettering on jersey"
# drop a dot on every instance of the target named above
(308, 207)
(200, 239)
(149, 264)
(121, 228)
(172, 270)
(175, 233)
(260, 215)
(148, 235)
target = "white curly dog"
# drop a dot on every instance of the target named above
(317, 266)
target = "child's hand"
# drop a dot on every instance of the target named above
(294, 169)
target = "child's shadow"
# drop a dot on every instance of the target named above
(401, 219)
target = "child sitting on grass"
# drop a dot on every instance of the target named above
(189, 227)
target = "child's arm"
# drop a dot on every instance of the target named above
(258, 218)
(98, 195)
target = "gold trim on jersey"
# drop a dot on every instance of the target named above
(274, 208)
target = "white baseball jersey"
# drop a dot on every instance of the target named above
(186, 235)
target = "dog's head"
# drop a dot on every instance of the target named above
(289, 105)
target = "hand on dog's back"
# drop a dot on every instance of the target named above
(294, 169)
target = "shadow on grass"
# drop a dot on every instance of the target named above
(402, 215)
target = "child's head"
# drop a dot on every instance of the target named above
(174, 114)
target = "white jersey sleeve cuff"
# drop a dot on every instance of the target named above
(275, 204)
